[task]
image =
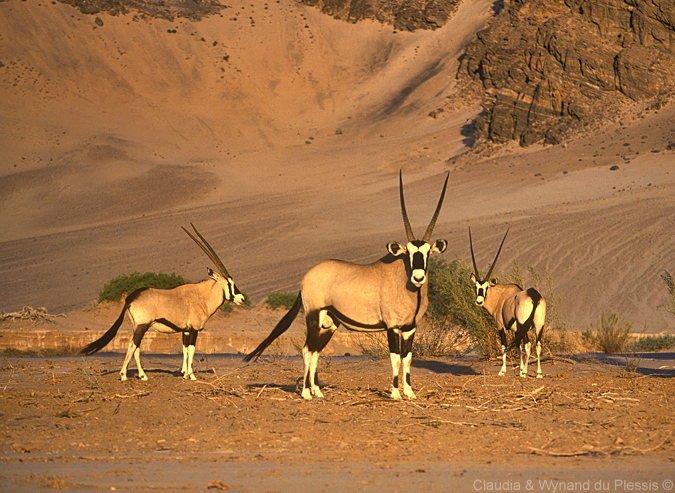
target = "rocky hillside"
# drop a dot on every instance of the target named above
(404, 15)
(547, 67)
(550, 67)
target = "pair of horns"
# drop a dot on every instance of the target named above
(406, 222)
(210, 252)
(473, 258)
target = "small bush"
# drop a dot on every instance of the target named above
(281, 300)
(432, 338)
(124, 284)
(44, 353)
(650, 344)
(452, 303)
(609, 336)
(670, 285)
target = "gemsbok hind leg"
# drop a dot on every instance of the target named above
(502, 337)
(320, 329)
(523, 363)
(539, 319)
(135, 351)
(189, 342)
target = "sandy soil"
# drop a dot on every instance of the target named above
(280, 132)
(246, 428)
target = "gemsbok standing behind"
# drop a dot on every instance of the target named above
(388, 295)
(183, 309)
(513, 308)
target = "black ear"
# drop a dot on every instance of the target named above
(209, 271)
(395, 248)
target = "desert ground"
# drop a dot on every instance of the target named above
(280, 133)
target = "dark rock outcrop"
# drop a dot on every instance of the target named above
(163, 9)
(550, 67)
(404, 15)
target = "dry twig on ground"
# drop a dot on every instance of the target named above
(30, 313)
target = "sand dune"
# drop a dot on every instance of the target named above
(280, 134)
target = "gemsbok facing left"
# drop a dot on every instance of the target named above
(388, 295)
(183, 309)
(513, 308)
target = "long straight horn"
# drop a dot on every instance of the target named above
(430, 228)
(210, 252)
(406, 222)
(473, 258)
(496, 257)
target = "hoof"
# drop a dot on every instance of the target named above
(395, 394)
(306, 394)
(539, 375)
(123, 378)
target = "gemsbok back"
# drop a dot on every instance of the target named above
(513, 308)
(388, 295)
(182, 309)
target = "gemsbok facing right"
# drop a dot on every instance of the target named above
(513, 308)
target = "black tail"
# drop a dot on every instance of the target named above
(280, 328)
(103, 341)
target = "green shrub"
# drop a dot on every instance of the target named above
(124, 284)
(609, 336)
(281, 300)
(432, 338)
(452, 298)
(650, 344)
(670, 285)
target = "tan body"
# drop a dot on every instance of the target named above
(512, 308)
(388, 295)
(384, 295)
(184, 309)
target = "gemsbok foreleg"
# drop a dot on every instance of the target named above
(189, 342)
(400, 351)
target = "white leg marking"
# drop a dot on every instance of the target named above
(184, 369)
(137, 357)
(312, 376)
(503, 370)
(407, 389)
(523, 365)
(127, 359)
(395, 368)
(190, 358)
(306, 357)
(539, 374)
